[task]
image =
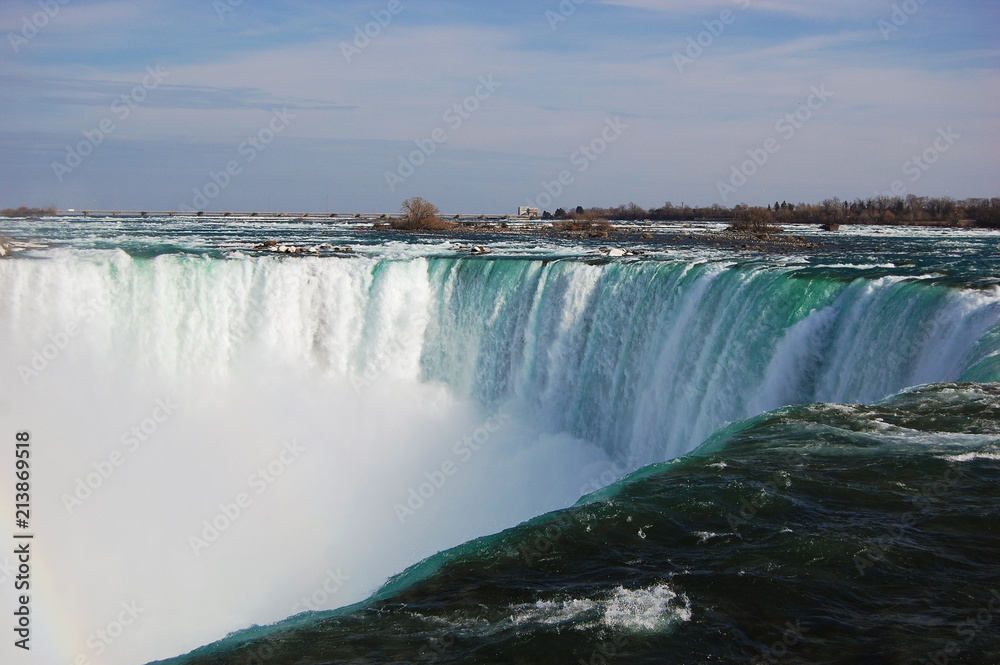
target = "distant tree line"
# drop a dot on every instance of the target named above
(418, 214)
(913, 210)
(25, 211)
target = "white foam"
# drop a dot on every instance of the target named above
(648, 609)
(552, 613)
(972, 457)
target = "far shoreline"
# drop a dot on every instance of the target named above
(781, 228)
(463, 222)
(479, 231)
(881, 210)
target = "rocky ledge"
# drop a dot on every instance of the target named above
(288, 248)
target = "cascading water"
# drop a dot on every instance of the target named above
(648, 359)
(348, 417)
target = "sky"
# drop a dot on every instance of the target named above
(480, 107)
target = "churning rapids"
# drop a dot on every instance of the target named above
(225, 438)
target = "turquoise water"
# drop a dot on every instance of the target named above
(386, 360)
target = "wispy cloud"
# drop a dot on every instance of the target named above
(821, 9)
(815, 44)
(90, 92)
(71, 17)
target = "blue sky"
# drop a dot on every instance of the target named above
(658, 122)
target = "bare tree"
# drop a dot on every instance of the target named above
(420, 215)
(753, 220)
